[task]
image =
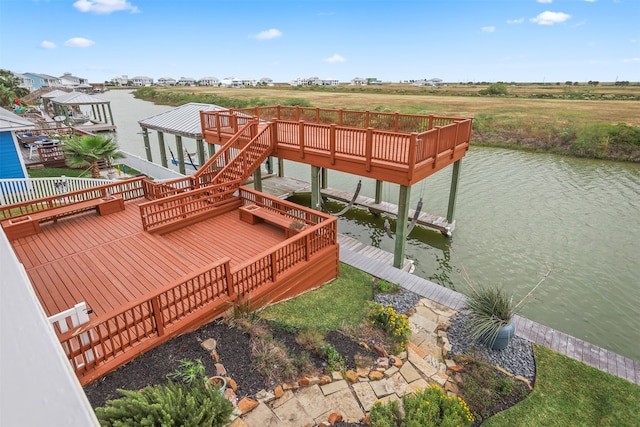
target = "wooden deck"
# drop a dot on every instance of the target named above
(583, 351)
(109, 261)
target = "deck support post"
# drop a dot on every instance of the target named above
(280, 167)
(257, 179)
(378, 191)
(212, 149)
(455, 178)
(147, 147)
(315, 187)
(180, 150)
(163, 150)
(270, 165)
(325, 179)
(110, 115)
(401, 226)
(200, 149)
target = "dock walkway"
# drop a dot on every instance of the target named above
(575, 348)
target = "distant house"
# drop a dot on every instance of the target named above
(231, 82)
(71, 81)
(186, 81)
(209, 81)
(248, 82)
(166, 81)
(358, 81)
(25, 82)
(141, 81)
(265, 81)
(315, 81)
(11, 161)
(121, 81)
(43, 80)
(430, 82)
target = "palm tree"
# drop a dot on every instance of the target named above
(89, 150)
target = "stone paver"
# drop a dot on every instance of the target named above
(334, 387)
(409, 373)
(262, 415)
(345, 403)
(292, 413)
(365, 395)
(313, 400)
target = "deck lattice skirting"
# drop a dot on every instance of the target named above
(575, 348)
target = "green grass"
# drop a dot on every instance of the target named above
(570, 393)
(343, 302)
(57, 172)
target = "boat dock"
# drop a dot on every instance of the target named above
(284, 187)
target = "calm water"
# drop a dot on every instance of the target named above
(516, 213)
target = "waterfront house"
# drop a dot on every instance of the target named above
(209, 81)
(43, 80)
(11, 161)
(26, 82)
(166, 81)
(141, 81)
(121, 81)
(358, 81)
(186, 81)
(71, 81)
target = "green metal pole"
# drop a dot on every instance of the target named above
(455, 178)
(181, 166)
(163, 149)
(401, 226)
(315, 187)
(147, 147)
(378, 191)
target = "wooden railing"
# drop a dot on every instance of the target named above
(200, 296)
(129, 189)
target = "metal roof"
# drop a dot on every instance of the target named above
(183, 120)
(78, 98)
(11, 121)
(54, 94)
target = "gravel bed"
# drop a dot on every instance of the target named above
(517, 358)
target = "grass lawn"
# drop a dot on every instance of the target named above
(343, 302)
(57, 172)
(567, 392)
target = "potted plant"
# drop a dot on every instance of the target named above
(491, 311)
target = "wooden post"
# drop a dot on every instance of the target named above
(332, 143)
(368, 149)
(157, 315)
(147, 147)
(211, 149)
(315, 187)
(180, 150)
(378, 191)
(200, 149)
(401, 226)
(270, 165)
(163, 149)
(455, 178)
(280, 167)
(257, 179)
(301, 137)
(324, 183)
(229, 277)
(110, 114)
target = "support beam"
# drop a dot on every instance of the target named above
(200, 149)
(257, 179)
(280, 167)
(378, 197)
(325, 178)
(147, 147)
(315, 188)
(163, 149)
(455, 178)
(401, 226)
(180, 150)
(270, 165)
(212, 149)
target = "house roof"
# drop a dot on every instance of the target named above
(12, 121)
(78, 98)
(183, 120)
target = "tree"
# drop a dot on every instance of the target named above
(9, 88)
(495, 89)
(89, 150)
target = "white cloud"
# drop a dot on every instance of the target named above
(545, 1)
(48, 45)
(490, 29)
(268, 34)
(550, 18)
(79, 42)
(515, 21)
(104, 7)
(631, 60)
(335, 59)
(591, 1)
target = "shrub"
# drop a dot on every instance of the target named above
(395, 325)
(424, 408)
(495, 89)
(311, 339)
(385, 287)
(189, 372)
(334, 359)
(190, 405)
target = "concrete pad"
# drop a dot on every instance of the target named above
(261, 416)
(381, 388)
(313, 400)
(365, 395)
(409, 373)
(345, 404)
(334, 387)
(293, 413)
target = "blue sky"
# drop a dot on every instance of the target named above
(455, 40)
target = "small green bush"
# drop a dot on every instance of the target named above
(430, 407)
(395, 325)
(189, 405)
(333, 357)
(385, 287)
(495, 89)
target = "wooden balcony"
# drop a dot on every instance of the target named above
(398, 148)
(147, 287)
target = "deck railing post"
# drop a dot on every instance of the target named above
(413, 152)
(229, 278)
(340, 117)
(332, 143)
(274, 266)
(397, 122)
(301, 136)
(157, 315)
(297, 113)
(430, 121)
(366, 119)
(435, 158)
(307, 245)
(274, 135)
(369, 148)
(318, 115)
(218, 127)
